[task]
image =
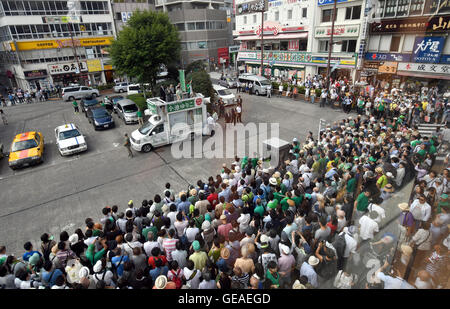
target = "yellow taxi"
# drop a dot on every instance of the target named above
(26, 149)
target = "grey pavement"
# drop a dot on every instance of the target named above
(60, 193)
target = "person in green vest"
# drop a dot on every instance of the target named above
(140, 118)
(361, 204)
(75, 106)
(189, 88)
(444, 203)
(351, 183)
(272, 275)
(297, 198)
(259, 209)
(93, 256)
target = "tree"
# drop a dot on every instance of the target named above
(201, 83)
(144, 44)
(195, 66)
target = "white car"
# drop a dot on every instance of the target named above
(69, 139)
(133, 89)
(224, 93)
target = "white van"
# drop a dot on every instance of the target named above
(224, 93)
(260, 83)
(133, 89)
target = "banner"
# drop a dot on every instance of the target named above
(388, 57)
(251, 7)
(70, 67)
(182, 80)
(62, 43)
(412, 25)
(388, 67)
(339, 31)
(425, 67)
(428, 49)
(94, 65)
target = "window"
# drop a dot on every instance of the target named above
(289, 14)
(254, 18)
(323, 46)
(431, 6)
(190, 26)
(180, 27)
(277, 15)
(326, 15)
(304, 12)
(302, 45)
(402, 7)
(265, 16)
(391, 6)
(353, 12)
(202, 45)
(245, 20)
(416, 7)
(395, 43)
(408, 43)
(348, 46)
(284, 45)
(373, 43)
(200, 25)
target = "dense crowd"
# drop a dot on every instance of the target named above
(298, 226)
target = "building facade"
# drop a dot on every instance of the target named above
(408, 43)
(287, 43)
(203, 28)
(55, 42)
(123, 9)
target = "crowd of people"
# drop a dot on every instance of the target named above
(19, 96)
(300, 225)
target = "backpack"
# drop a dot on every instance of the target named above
(339, 244)
(176, 279)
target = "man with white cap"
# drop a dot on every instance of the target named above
(161, 283)
(308, 270)
(286, 264)
(102, 273)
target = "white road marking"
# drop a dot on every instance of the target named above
(116, 144)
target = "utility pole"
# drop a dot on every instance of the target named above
(80, 79)
(262, 42)
(330, 45)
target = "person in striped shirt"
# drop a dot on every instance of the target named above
(169, 244)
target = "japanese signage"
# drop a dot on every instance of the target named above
(344, 30)
(270, 28)
(428, 49)
(222, 53)
(48, 44)
(388, 57)
(412, 25)
(35, 73)
(445, 59)
(388, 67)
(233, 49)
(371, 65)
(325, 2)
(61, 19)
(278, 57)
(251, 7)
(181, 105)
(94, 65)
(71, 67)
(425, 67)
(336, 61)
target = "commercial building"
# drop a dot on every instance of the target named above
(287, 44)
(203, 28)
(55, 42)
(409, 42)
(123, 9)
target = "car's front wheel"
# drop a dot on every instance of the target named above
(94, 95)
(147, 148)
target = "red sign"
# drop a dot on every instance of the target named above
(198, 101)
(223, 53)
(247, 32)
(292, 29)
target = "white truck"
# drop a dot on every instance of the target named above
(172, 122)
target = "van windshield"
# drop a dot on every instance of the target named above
(265, 82)
(224, 92)
(133, 87)
(147, 127)
(130, 108)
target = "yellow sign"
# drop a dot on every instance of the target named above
(348, 62)
(107, 67)
(63, 43)
(94, 65)
(388, 67)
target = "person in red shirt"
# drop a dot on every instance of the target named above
(225, 228)
(333, 224)
(213, 198)
(156, 255)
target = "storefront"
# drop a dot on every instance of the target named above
(36, 79)
(66, 73)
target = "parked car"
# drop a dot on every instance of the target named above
(26, 149)
(260, 83)
(227, 82)
(110, 102)
(121, 87)
(87, 103)
(69, 139)
(127, 110)
(224, 93)
(78, 92)
(133, 89)
(100, 118)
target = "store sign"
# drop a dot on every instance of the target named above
(371, 65)
(48, 44)
(270, 28)
(94, 65)
(71, 67)
(425, 67)
(234, 49)
(275, 3)
(334, 61)
(35, 73)
(61, 19)
(388, 67)
(252, 7)
(325, 2)
(445, 59)
(339, 30)
(428, 49)
(388, 57)
(412, 25)
(277, 57)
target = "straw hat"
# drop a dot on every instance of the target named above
(403, 206)
(161, 282)
(193, 192)
(406, 250)
(273, 181)
(388, 188)
(225, 253)
(298, 286)
(276, 174)
(379, 170)
(313, 261)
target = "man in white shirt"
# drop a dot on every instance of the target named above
(420, 209)
(379, 210)
(368, 226)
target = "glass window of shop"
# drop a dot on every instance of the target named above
(327, 15)
(15, 8)
(416, 7)
(395, 43)
(353, 12)
(348, 46)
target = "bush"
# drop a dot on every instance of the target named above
(318, 92)
(140, 100)
(275, 85)
(301, 89)
(201, 83)
(103, 87)
(285, 86)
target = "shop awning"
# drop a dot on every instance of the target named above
(433, 76)
(282, 36)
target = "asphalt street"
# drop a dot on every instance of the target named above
(60, 193)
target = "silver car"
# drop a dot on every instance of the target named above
(127, 110)
(79, 92)
(121, 87)
(227, 82)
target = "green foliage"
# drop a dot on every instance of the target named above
(103, 87)
(201, 83)
(275, 85)
(140, 100)
(148, 40)
(285, 86)
(318, 92)
(301, 89)
(196, 66)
